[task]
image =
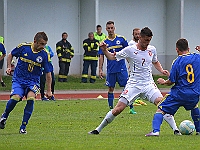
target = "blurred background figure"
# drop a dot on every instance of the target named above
(43, 79)
(98, 35)
(65, 52)
(90, 58)
(2, 55)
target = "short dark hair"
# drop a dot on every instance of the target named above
(146, 32)
(110, 22)
(40, 35)
(182, 44)
(64, 33)
(98, 26)
(90, 33)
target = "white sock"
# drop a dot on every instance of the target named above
(108, 119)
(170, 120)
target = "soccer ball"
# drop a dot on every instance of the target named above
(186, 127)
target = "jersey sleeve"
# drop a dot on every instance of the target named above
(125, 43)
(155, 56)
(124, 53)
(51, 52)
(48, 67)
(2, 49)
(100, 52)
(17, 51)
(174, 72)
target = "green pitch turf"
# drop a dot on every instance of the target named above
(63, 125)
(74, 84)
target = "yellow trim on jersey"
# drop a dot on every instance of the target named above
(116, 35)
(114, 47)
(196, 106)
(163, 99)
(22, 44)
(30, 61)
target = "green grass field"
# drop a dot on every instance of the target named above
(63, 125)
(74, 84)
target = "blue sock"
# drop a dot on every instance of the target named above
(27, 112)
(157, 121)
(131, 106)
(195, 113)
(110, 100)
(9, 107)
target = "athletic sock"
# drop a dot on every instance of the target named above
(108, 119)
(157, 121)
(131, 106)
(10, 106)
(110, 100)
(27, 112)
(195, 113)
(170, 120)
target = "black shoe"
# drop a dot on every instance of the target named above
(198, 133)
(3, 84)
(2, 123)
(64, 80)
(177, 132)
(22, 131)
(60, 80)
(93, 132)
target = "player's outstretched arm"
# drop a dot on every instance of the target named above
(158, 66)
(9, 60)
(110, 56)
(101, 60)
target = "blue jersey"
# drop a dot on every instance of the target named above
(185, 73)
(2, 49)
(115, 45)
(30, 63)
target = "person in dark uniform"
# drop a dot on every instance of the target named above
(65, 52)
(90, 58)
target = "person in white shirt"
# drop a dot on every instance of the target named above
(141, 56)
(136, 34)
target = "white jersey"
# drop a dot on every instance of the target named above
(140, 83)
(132, 43)
(140, 62)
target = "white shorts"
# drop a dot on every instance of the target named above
(147, 91)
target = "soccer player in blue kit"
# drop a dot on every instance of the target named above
(185, 75)
(26, 79)
(116, 70)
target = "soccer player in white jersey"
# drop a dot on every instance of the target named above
(141, 56)
(136, 34)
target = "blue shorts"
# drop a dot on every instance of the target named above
(23, 89)
(170, 104)
(120, 77)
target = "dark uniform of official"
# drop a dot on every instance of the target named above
(65, 52)
(90, 59)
